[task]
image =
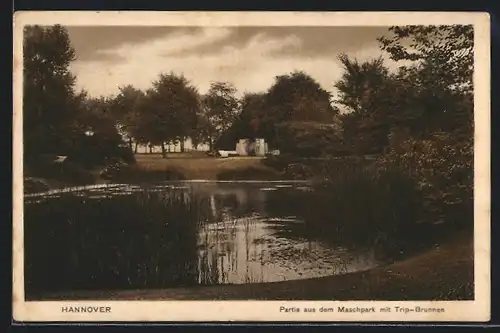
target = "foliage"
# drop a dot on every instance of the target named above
(48, 105)
(443, 170)
(247, 124)
(359, 83)
(309, 139)
(431, 94)
(169, 111)
(57, 120)
(294, 97)
(124, 109)
(446, 53)
(220, 109)
(203, 131)
(442, 70)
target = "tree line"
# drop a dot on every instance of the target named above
(432, 94)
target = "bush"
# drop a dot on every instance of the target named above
(310, 139)
(34, 185)
(411, 197)
(97, 150)
(443, 169)
(66, 171)
(361, 206)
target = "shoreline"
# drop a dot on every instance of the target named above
(154, 168)
(446, 273)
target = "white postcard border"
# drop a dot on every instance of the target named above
(477, 310)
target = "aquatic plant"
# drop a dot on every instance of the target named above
(143, 239)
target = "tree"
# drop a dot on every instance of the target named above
(98, 139)
(294, 97)
(443, 65)
(248, 123)
(168, 112)
(220, 108)
(298, 97)
(365, 90)
(359, 83)
(49, 102)
(124, 111)
(202, 132)
(253, 107)
(439, 151)
(447, 50)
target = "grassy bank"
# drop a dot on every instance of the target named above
(209, 168)
(444, 273)
(152, 168)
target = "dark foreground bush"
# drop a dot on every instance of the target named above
(143, 240)
(34, 185)
(67, 172)
(411, 197)
(361, 208)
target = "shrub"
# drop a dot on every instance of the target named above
(310, 139)
(443, 170)
(399, 199)
(361, 206)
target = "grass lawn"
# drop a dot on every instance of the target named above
(199, 166)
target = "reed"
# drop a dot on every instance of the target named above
(145, 239)
(362, 205)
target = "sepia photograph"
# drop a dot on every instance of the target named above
(322, 166)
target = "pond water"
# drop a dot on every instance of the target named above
(249, 231)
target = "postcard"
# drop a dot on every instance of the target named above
(251, 166)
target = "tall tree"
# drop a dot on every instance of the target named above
(298, 97)
(124, 109)
(295, 97)
(359, 83)
(201, 134)
(220, 108)
(99, 138)
(49, 103)
(442, 69)
(252, 113)
(169, 111)
(446, 51)
(376, 101)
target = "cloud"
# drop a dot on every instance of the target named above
(89, 41)
(250, 58)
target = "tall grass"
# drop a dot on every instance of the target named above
(365, 204)
(141, 240)
(361, 206)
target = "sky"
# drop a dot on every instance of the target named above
(248, 57)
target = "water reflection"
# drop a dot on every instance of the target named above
(249, 233)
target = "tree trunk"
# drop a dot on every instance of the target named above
(150, 148)
(210, 144)
(183, 140)
(136, 146)
(130, 143)
(163, 152)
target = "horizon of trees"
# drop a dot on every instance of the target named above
(433, 94)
